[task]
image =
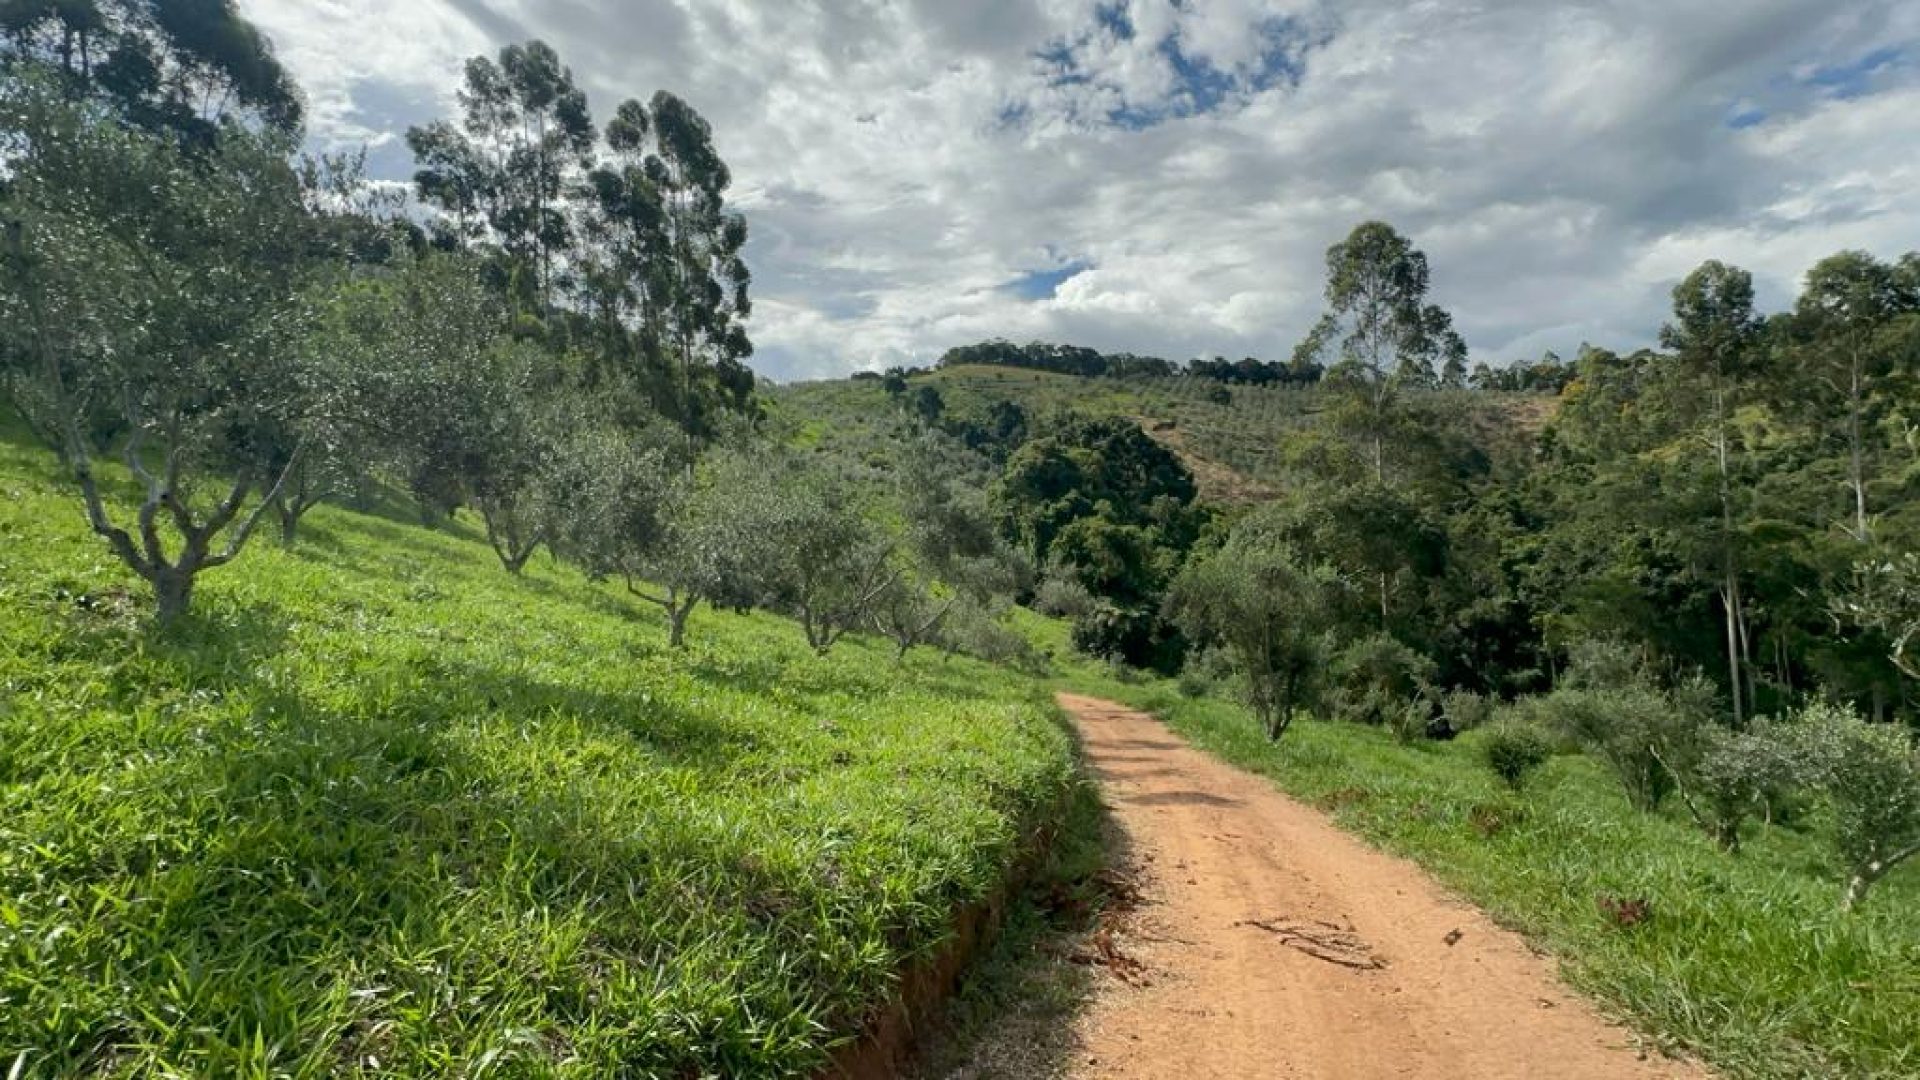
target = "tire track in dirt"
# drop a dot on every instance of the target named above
(1271, 944)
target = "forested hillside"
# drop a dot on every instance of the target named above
(1740, 505)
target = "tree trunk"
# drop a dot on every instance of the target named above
(172, 594)
(1856, 465)
(1730, 589)
(1283, 717)
(1728, 834)
(677, 623)
(1733, 654)
(289, 512)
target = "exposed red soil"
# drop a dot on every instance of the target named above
(1269, 943)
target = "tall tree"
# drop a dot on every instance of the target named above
(176, 67)
(1378, 332)
(500, 177)
(667, 266)
(1713, 334)
(701, 276)
(1845, 345)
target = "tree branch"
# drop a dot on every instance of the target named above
(238, 538)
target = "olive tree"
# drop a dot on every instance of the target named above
(674, 540)
(1270, 610)
(149, 297)
(1871, 774)
(951, 555)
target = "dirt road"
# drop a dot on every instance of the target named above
(1270, 944)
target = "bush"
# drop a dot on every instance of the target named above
(1414, 719)
(1649, 739)
(1381, 681)
(1464, 710)
(1871, 773)
(1061, 596)
(1741, 772)
(1514, 750)
(1205, 672)
(976, 630)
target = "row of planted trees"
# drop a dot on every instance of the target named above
(551, 340)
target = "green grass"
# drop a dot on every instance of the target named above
(1746, 960)
(1013, 1015)
(380, 809)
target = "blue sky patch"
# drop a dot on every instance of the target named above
(1856, 78)
(1045, 284)
(1198, 86)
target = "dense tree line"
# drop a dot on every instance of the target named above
(1093, 364)
(1695, 563)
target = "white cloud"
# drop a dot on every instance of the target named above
(901, 163)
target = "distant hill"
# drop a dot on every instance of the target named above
(1230, 436)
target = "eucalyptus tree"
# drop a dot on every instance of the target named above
(150, 298)
(697, 275)
(622, 271)
(179, 69)
(1378, 333)
(1714, 336)
(1855, 317)
(501, 177)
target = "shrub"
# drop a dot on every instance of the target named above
(1413, 719)
(1204, 673)
(1464, 710)
(1061, 596)
(1514, 750)
(1381, 681)
(1871, 774)
(977, 630)
(1649, 739)
(1741, 772)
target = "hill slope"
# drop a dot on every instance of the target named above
(1232, 438)
(379, 808)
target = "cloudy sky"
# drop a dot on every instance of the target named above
(1164, 176)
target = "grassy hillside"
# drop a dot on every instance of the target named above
(380, 809)
(1231, 437)
(1239, 435)
(1745, 960)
